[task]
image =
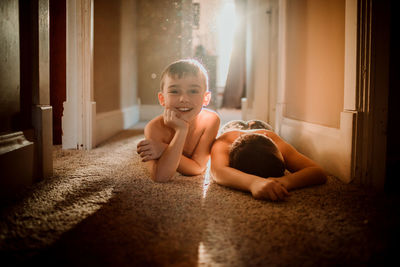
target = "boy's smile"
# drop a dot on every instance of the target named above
(186, 95)
(184, 110)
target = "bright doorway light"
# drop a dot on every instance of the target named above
(226, 26)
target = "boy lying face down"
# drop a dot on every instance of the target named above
(256, 154)
(249, 156)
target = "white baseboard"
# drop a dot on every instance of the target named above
(148, 112)
(329, 147)
(112, 122)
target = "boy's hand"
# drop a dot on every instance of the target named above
(268, 188)
(172, 119)
(150, 150)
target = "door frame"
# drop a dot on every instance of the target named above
(373, 64)
(79, 118)
(334, 149)
(262, 61)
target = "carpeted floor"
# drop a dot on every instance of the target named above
(101, 209)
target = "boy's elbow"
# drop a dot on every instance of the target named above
(322, 176)
(156, 173)
(191, 172)
(193, 169)
(216, 175)
(201, 169)
(160, 178)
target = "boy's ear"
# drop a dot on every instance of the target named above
(207, 98)
(161, 98)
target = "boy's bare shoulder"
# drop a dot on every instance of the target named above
(229, 137)
(209, 114)
(155, 127)
(209, 120)
(270, 134)
(282, 144)
(155, 122)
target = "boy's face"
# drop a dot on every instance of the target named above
(186, 95)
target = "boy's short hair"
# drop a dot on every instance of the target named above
(256, 154)
(182, 67)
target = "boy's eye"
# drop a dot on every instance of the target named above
(194, 91)
(174, 92)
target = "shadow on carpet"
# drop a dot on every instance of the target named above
(101, 209)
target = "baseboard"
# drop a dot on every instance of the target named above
(112, 122)
(148, 112)
(329, 147)
(16, 164)
(43, 124)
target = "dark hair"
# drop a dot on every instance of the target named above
(182, 67)
(256, 154)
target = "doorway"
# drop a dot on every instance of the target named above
(213, 38)
(57, 65)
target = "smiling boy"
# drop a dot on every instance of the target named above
(181, 138)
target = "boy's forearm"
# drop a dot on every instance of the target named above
(190, 167)
(305, 177)
(168, 163)
(197, 163)
(233, 178)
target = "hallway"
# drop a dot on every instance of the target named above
(100, 208)
(87, 72)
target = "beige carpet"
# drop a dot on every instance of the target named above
(101, 209)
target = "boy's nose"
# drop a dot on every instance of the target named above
(183, 97)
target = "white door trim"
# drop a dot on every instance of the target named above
(78, 121)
